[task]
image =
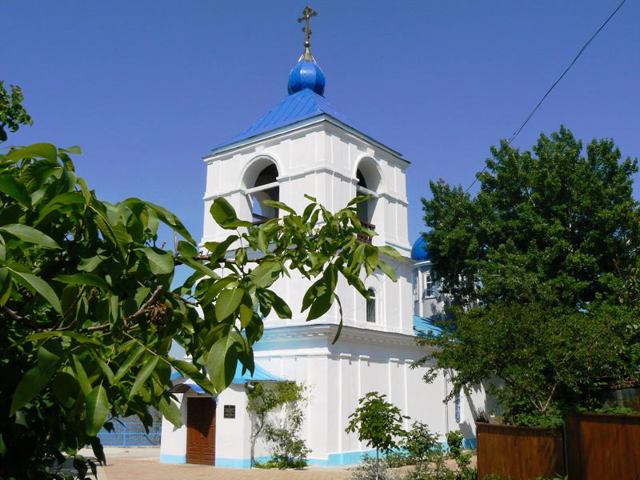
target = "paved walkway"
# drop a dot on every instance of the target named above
(143, 464)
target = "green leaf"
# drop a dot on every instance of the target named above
(30, 235)
(29, 387)
(320, 305)
(5, 285)
(12, 187)
(388, 270)
(143, 376)
(159, 263)
(225, 215)
(63, 199)
(266, 273)
(227, 302)
(359, 199)
(49, 355)
(246, 314)
(73, 149)
(133, 358)
(83, 279)
(37, 150)
(38, 285)
(90, 264)
(81, 375)
(222, 360)
(97, 410)
(170, 219)
(223, 212)
(279, 206)
(219, 249)
(189, 370)
(281, 308)
(170, 411)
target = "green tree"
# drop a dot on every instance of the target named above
(377, 422)
(540, 270)
(12, 112)
(88, 314)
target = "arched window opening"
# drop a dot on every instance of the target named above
(371, 306)
(264, 187)
(363, 208)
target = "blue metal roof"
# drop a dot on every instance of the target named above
(423, 327)
(294, 108)
(260, 374)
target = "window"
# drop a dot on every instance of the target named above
(457, 408)
(371, 306)
(416, 294)
(429, 289)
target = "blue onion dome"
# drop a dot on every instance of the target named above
(306, 74)
(419, 251)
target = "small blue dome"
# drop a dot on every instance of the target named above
(306, 74)
(419, 251)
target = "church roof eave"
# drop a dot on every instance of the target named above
(305, 122)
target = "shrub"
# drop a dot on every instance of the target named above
(373, 469)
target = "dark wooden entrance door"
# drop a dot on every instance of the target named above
(201, 430)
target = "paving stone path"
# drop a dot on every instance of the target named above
(143, 464)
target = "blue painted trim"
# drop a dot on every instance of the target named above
(347, 458)
(168, 458)
(233, 462)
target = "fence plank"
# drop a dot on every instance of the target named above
(603, 447)
(519, 453)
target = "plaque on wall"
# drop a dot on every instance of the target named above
(229, 411)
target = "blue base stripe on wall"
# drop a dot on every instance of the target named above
(168, 458)
(332, 460)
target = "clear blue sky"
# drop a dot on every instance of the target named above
(146, 88)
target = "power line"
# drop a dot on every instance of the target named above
(566, 70)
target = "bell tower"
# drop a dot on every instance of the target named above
(306, 146)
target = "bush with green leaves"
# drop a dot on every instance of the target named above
(276, 412)
(374, 469)
(541, 272)
(89, 313)
(377, 422)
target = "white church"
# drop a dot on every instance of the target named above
(305, 146)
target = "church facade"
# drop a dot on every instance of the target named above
(305, 146)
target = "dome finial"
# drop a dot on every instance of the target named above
(306, 74)
(307, 13)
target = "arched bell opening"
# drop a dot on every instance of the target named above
(261, 183)
(368, 183)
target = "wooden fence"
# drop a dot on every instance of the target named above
(519, 452)
(603, 447)
(598, 447)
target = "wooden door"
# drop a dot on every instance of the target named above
(201, 430)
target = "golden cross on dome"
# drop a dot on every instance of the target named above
(307, 13)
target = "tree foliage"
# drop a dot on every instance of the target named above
(89, 315)
(276, 411)
(12, 112)
(377, 422)
(541, 272)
